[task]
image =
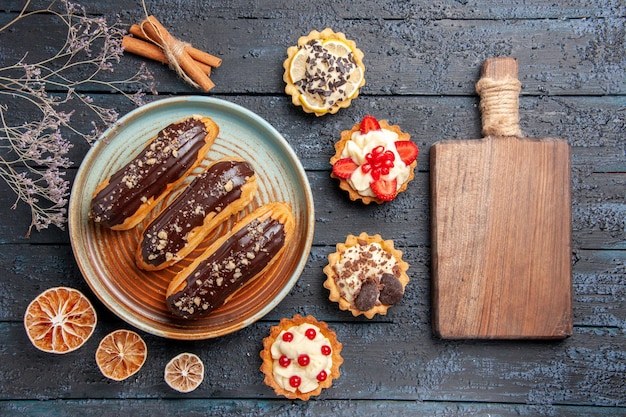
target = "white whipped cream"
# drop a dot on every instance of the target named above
(301, 344)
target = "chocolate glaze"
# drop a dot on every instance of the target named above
(169, 156)
(237, 260)
(208, 193)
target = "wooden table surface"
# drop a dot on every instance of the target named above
(422, 61)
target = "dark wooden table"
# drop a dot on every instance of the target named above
(422, 59)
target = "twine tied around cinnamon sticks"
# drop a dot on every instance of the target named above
(151, 40)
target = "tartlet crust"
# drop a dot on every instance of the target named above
(335, 257)
(267, 364)
(292, 90)
(346, 135)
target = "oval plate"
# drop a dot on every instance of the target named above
(106, 257)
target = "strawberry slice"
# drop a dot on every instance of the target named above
(369, 123)
(407, 150)
(385, 189)
(344, 168)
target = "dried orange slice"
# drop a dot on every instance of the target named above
(121, 354)
(60, 320)
(185, 372)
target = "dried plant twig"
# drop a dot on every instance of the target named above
(33, 154)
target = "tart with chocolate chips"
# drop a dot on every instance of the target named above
(366, 275)
(323, 72)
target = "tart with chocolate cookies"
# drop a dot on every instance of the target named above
(374, 161)
(366, 275)
(301, 357)
(323, 72)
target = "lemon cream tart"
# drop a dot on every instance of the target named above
(366, 275)
(301, 356)
(324, 72)
(374, 161)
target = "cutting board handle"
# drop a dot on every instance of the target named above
(499, 90)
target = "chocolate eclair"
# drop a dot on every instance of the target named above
(250, 248)
(226, 187)
(121, 201)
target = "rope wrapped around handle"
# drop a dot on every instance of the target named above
(499, 90)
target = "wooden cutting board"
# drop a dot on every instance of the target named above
(501, 225)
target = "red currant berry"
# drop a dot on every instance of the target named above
(379, 162)
(287, 336)
(303, 360)
(322, 376)
(326, 350)
(310, 334)
(295, 381)
(284, 361)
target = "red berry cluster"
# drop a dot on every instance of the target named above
(303, 359)
(379, 162)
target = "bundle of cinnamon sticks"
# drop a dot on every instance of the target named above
(151, 40)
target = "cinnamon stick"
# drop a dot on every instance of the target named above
(149, 50)
(197, 54)
(144, 49)
(204, 57)
(159, 35)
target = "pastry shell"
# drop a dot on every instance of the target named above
(335, 257)
(292, 90)
(268, 361)
(346, 136)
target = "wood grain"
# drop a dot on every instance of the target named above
(573, 69)
(501, 234)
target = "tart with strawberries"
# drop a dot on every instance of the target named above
(374, 161)
(323, 72)
(301, 357)
(366, 275)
